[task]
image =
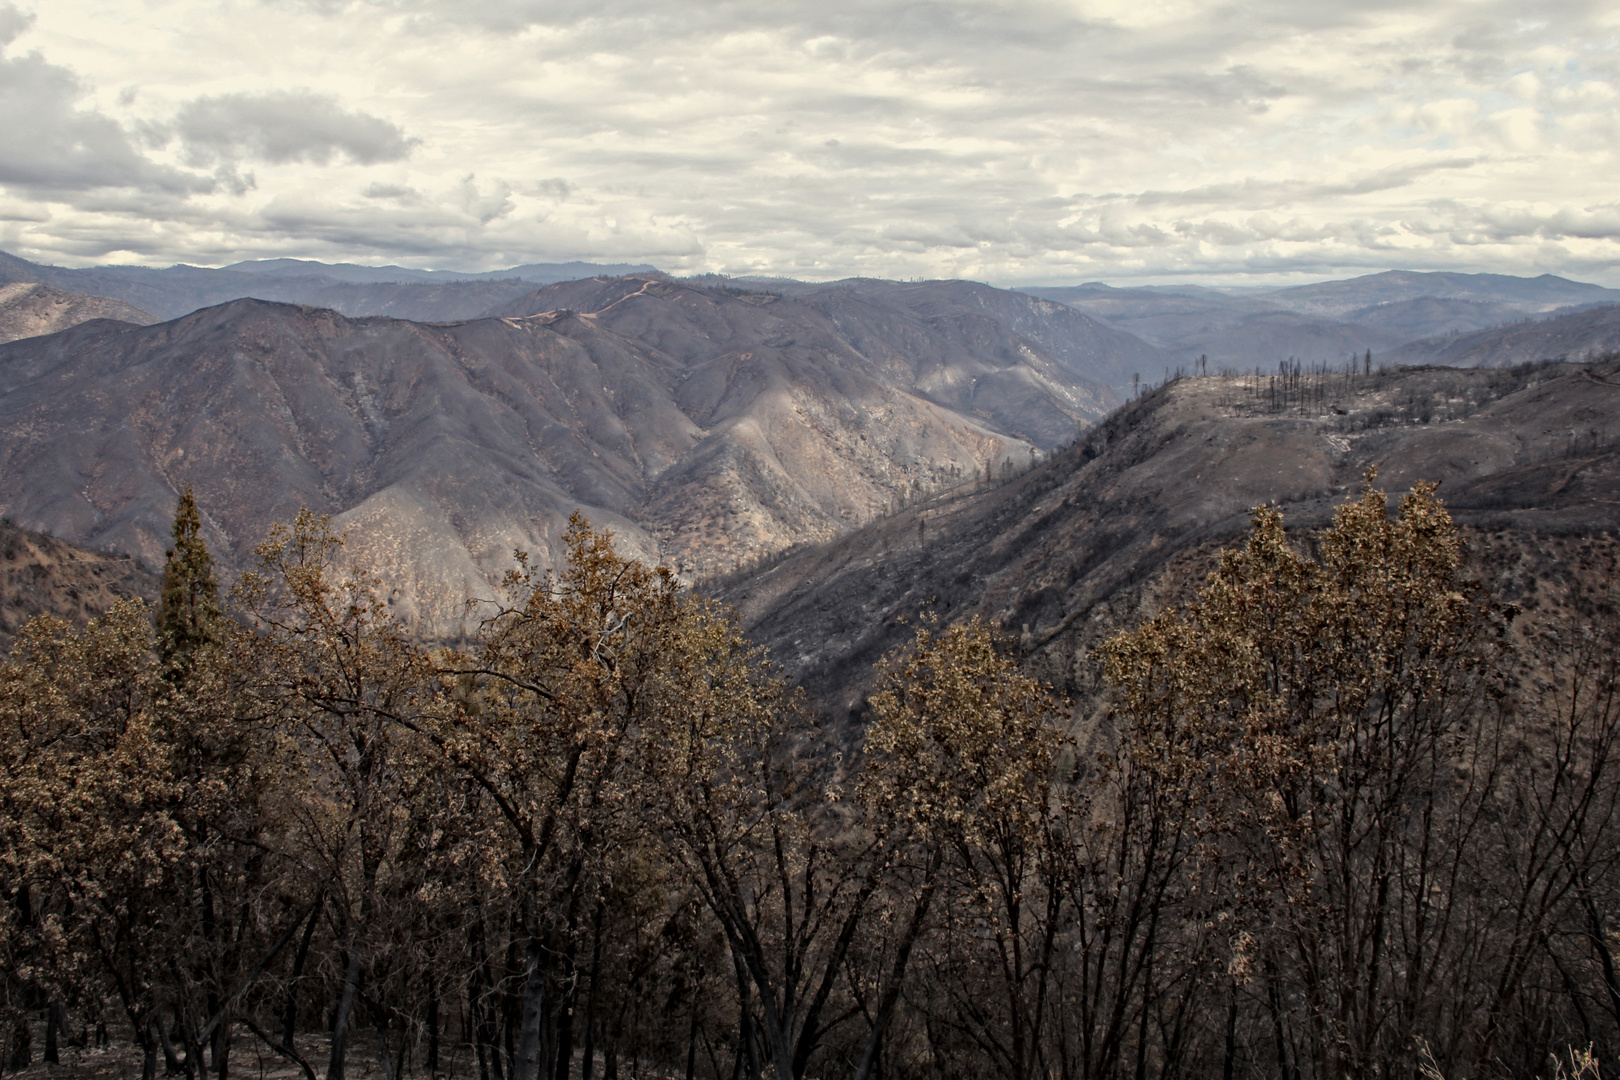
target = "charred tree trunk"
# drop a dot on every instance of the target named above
(289, 1011)
(345, 1009)
(53, 1030)
(433, 1032)
(531, 1049)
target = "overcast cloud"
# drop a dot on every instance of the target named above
(282, 128)
(1010, 142)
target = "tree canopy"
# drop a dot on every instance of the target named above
(1334, 818)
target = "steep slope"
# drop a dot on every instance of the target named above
(28, 309)
(701, 426)
(1091, 539)
(1578, 335)
(1033, 369)
(41, 575)
(998, 322)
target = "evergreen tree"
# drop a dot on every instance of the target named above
(188, 606)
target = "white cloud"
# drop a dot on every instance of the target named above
(1519, 129)
(1014, 141)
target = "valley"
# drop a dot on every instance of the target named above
(1129, 518)
(717, 423)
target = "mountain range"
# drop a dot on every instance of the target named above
(1334, 321)
(428, 295)
(1400, 316)
(852, 438)
(706, 425)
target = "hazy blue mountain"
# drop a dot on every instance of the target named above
(1545, 293)
(1431, 315)
(1327, 322)
(1584, 334)
(172, 291)
(535, 273)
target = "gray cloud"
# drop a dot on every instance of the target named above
(1252, 191)
(555, 188)
(285, 127)
(53, 145)
(13, 23)
(390, 191)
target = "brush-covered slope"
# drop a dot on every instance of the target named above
(28, 309)
(41, 575)
(701, 425)
(1090, 539)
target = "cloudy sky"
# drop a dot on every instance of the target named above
(1014, 142)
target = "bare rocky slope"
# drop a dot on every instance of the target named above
(705, 426)
(28, 309)
(1131, 517)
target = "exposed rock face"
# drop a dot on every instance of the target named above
(28, 309)
(1101, 533)
(705, 427)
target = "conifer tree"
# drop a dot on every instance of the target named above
(188, 606)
